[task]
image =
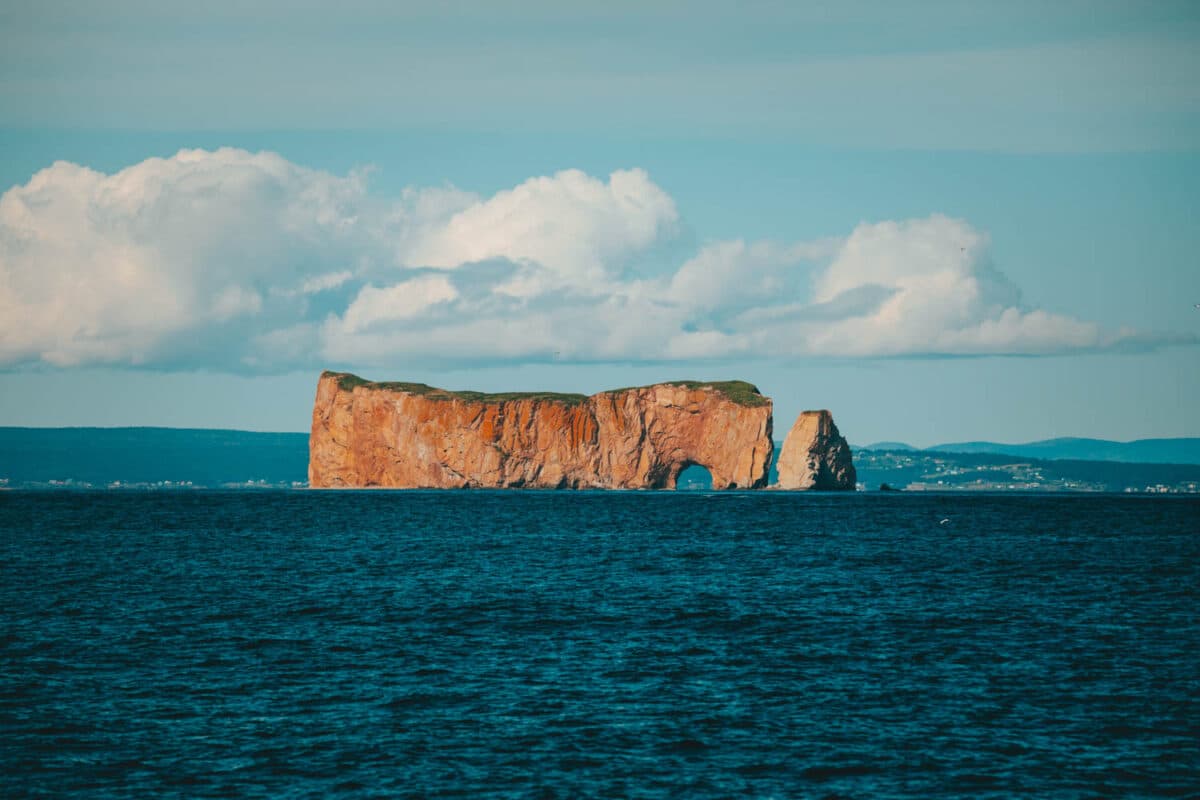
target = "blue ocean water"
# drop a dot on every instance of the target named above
(570, 644)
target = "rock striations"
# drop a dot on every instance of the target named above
(815, 456)
(404, 435)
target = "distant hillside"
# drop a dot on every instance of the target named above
(1141, 451)
(939, 470)
(100, 456)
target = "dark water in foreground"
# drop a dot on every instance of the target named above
(591, 644)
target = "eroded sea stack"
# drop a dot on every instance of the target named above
(816, 456)
(404, 435)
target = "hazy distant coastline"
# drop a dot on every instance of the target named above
(1140, 451)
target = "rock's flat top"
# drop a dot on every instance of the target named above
(410, 435)
(740, 392)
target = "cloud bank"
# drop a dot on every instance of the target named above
(247, 262)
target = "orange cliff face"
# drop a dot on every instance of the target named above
(816, 456)
(398, 435)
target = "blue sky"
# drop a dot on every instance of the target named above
(943, 221)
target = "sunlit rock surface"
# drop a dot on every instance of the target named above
(815, 455)
(400, 435)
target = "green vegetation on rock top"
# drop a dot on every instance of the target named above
(348, 382)
(740, 392)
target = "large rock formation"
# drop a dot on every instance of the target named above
(403, 435)
(815, 456)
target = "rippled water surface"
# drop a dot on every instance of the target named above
(558, 644)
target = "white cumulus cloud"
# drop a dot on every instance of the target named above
(401, 301)
(115, 268)
(943, 296)
(576, 227)
(248, 262)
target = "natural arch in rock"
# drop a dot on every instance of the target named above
(694, 477)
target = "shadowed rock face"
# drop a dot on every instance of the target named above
(399, 435)
(815, 456)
